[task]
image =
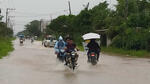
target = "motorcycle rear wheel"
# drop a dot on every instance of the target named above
(93, 60)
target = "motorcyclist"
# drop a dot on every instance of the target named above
(21, 40)
(60, 44)
(32, 40)
(93, 47)
(70, 46)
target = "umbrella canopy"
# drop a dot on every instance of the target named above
(91, 36)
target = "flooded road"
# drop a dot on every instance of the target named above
(34, 64)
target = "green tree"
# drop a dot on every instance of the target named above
(4, 31)
(33, 28)
(100, 16)
(131, 32)
(128, 26)
(61, 26)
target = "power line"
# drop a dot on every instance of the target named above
(39, 13)
(29, 13)
(19, 16)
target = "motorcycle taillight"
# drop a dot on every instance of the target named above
(92, 54)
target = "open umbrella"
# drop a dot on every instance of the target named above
(91, 36)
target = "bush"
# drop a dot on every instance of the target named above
(6, 46)
(132, 39)
(124, 52)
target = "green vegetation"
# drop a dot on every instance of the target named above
(132, 32)
(6, 46)
(81, 48)
(128, 26)
(4, 31)
(123, 52)
(6, 35)
(40, 38)
(32, 29)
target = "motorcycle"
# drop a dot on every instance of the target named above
(92, 58)
(32, 40)
(71, 59)
(61, 55)
(21, 42)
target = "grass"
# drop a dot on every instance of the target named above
(5, 46)
(123, 52)
(80, 48)
(40, 38)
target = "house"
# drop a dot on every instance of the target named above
(105, 40)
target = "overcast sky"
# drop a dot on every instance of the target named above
(28, 10)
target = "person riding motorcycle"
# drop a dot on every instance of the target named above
(32, 40)
(60, 44)
(21, 40)
(70, 46)
(93, 47)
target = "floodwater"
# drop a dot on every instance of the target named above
(35, 64)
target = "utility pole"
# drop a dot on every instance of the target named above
(51, 17)
(6, 16)
(69, 8)
(7, 13)
(40, 25)
(0, 15)
(87, 6)
(10, 23)
(0, 11)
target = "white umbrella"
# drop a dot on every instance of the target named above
(91, 36)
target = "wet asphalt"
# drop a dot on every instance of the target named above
(35, 64)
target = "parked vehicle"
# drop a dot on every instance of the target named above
(49, 41)
(35, 37)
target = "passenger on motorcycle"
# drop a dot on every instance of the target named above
(93, 47)
(70, 47)
(60, 44)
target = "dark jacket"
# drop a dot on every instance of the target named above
(93, 46)
(70, 47)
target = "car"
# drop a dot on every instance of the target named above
(49, 41)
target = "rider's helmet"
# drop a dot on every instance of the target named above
(60, 38)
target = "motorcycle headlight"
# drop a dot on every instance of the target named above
(62, 50)
(73, 54)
